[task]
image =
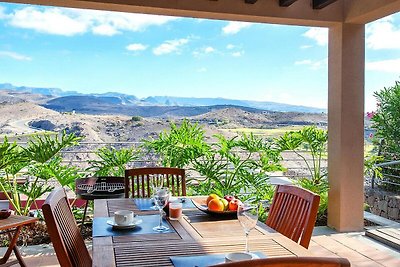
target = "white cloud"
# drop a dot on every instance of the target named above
(69, 22)
(15, 56)
(136, 47)
(105, 29)
(391, 65)
(234, 27)
(209, 49)
(52, 20)
(238, 53)
(170, 46)
(203, 51)
(230, 46)
(313, 64)
(320, 35)
(2, 13)
(305, 46)
(383, 34)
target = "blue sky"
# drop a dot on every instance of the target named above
(144, 55)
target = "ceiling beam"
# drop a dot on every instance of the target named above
(286, 3)
(319, 4)
(263, 11)
(365, 11)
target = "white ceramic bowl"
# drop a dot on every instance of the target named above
(238, 256)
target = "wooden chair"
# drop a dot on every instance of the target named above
(63, 230)
(290, 262)
(293, 213)
(138, 182)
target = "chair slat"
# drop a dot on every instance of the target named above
(64, 232)
(293, 213)
(172, 176)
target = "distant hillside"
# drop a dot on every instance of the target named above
(131, 102)
(112, 105)
(263, 105)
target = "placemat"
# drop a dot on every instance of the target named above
(203, 260)
(101, 228)
(145, 204)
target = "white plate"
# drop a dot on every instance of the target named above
(129, 226)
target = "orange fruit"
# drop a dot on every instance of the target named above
(212, 196)
(216, 205)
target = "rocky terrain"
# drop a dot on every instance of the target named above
(24, 113)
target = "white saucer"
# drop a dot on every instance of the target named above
(129, 226)
(240, 256)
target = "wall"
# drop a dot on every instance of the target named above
(382, 203)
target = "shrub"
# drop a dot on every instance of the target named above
(315, 140)
(136, 118)
(41, 161)
(179, 146)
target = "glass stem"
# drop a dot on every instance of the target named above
(160, 225)
(247, 242)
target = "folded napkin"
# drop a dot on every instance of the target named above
(203, 260)
(101, 228)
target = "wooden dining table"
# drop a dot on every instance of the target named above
(196, 233)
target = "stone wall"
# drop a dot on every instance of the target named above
(382, 203)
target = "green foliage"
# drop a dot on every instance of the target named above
(112, 161)
(237, 166)
(314, 140)
(42, 148)
(136, 118)
(386, 123)
(370, 168)
(41, 162)
(386, 120)
(8, 154)
(180, 145)
(321, 189)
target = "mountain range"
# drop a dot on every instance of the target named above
(112, 102)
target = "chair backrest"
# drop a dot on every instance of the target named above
(137, 181)
(64, 232)
(293, 213)
(290, 262)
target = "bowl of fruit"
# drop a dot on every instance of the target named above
(220, 206)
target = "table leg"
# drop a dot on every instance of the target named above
(19, 257)
(12, 247)
(84, 214)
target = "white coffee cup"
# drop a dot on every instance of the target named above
(123, 217)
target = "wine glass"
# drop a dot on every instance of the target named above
(161, 197)
(156, 182)
(247, 214)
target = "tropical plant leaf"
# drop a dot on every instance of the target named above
(42, 148)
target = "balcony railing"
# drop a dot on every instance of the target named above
(81, 155)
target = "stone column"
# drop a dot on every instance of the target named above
(346, 126)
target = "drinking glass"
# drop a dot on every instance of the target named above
(156, 182)
(161, 197)
(247, 214)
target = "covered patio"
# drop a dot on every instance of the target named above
(346, 21)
